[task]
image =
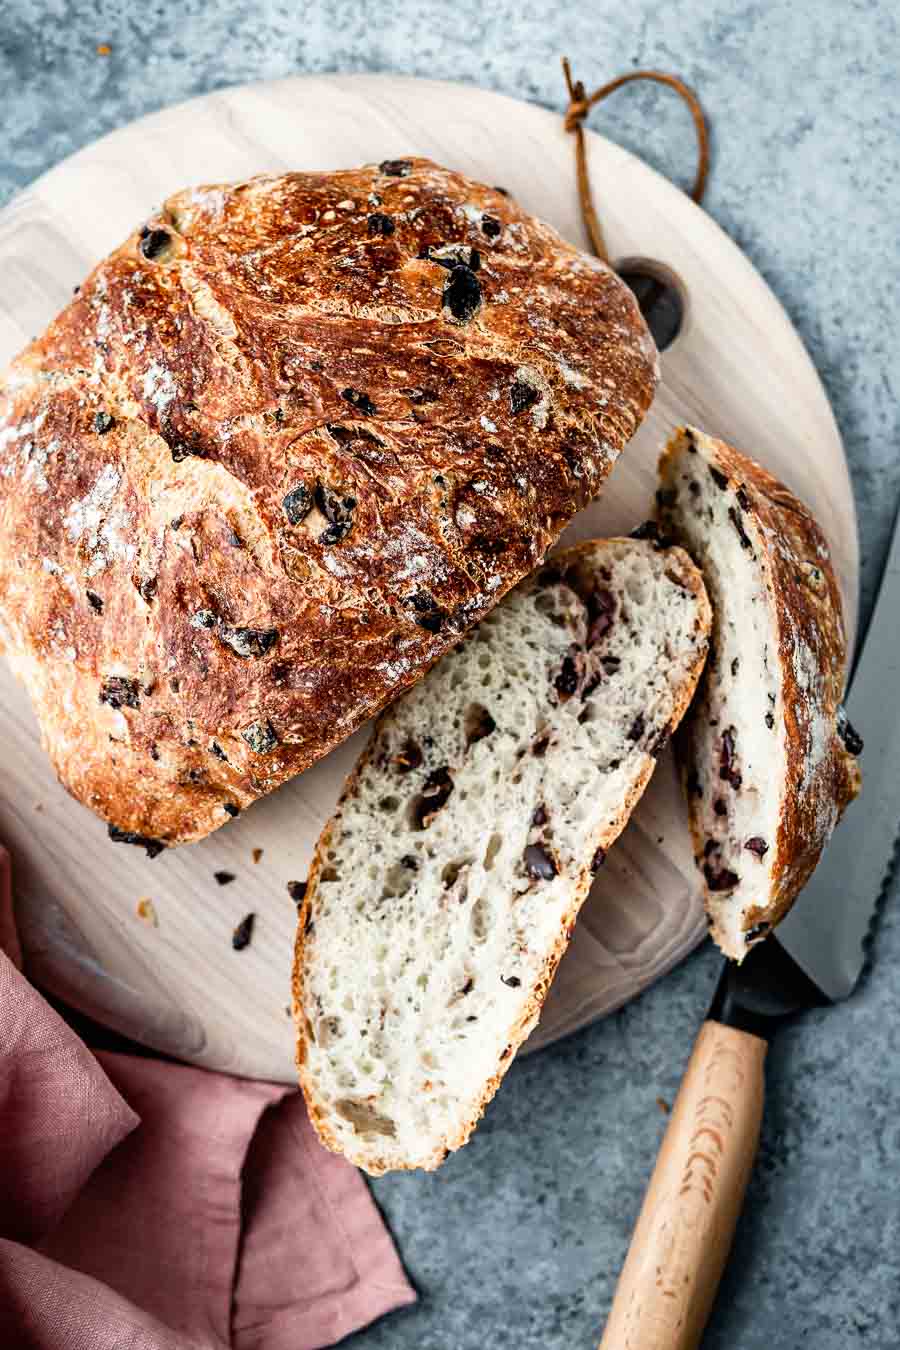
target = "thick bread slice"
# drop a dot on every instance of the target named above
(769, 767)
(446, 886)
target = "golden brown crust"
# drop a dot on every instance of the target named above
(821, 777)
(306, 334)
(690, 579)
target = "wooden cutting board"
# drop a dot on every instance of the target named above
(737, 369)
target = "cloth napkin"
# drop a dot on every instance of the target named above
(146, 1205)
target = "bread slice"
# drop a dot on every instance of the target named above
(769, 757)
(445, 888)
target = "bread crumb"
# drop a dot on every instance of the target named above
(257, 854)
(146, 910)
(663, 1105)
(39, 806)
(104, 49)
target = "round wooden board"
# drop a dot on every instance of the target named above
(737, 369)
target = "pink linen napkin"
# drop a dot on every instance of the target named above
(151, 1206)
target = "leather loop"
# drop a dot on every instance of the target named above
(580, 105)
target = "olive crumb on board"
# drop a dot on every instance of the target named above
(243, 934)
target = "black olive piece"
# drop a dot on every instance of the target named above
(649, 530)
(490, 226)
(153, 847)
(722, 880)
(770, 720)
(120, 692)
(637, 728)
(719, 478)
(243, 934)
(853, 742)
(261, 737)
(380, 224)
(720, 807)
(757, 845)
(660, 302)
(360, 401)
(248, 642)
(735, 665)
(219, 753)
(224, 878)
(566, 682)
(231, 809)
(711, 846)
(154, 242)
(538, 863)
(396, 168)
(467, 989)
(297, 504)
(435, 793)
(598, 859)
(522, 396)
(611, 664)
(666, 497)
(103, 422)
(462, 294)
(735, 517)
(540, 815)
(512, 980)
(297, 891)
(410, 757)
(95, 601)
(539, 749)
(337, 510)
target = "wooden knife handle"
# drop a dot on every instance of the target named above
(684, 1231)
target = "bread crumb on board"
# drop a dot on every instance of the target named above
(297, 892)
(146, 910)
(257, 855)
(663, 1105)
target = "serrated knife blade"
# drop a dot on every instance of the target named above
(826, 929)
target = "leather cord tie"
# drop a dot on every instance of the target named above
(580, 105)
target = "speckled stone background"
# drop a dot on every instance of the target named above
(519, 1239)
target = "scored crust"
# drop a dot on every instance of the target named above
(821, 776)
(281, 449)
(691, 582)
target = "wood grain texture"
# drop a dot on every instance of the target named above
(683, 1235)
(737, 369)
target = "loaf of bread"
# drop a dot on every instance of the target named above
(769, 757)
(445, 888)
(282, 449)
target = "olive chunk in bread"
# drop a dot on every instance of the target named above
(769, 758)
(446, 886)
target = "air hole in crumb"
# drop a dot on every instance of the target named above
(478, 724)
(494, 845)
(364, 1118)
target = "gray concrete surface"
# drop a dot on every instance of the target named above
(518, 1240)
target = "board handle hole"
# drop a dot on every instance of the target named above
(660, 295)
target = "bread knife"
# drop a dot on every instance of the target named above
(683, 1234)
